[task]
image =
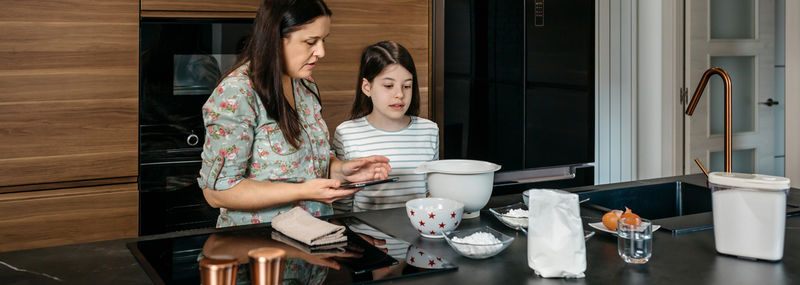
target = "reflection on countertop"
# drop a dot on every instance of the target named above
(365, 256)
(687, 258)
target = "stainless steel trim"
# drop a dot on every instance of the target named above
(547, 178)
(170, 162)
(539, 174)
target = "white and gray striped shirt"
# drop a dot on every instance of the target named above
(406, 149)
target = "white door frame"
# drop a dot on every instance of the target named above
(792, 96)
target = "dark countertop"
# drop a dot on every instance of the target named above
(686, 258)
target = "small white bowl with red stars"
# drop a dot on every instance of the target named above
(433, 216)
(421, 258)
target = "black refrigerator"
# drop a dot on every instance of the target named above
(515, 85)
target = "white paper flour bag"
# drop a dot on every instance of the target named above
(556, 246)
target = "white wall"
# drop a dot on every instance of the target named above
(639, 70)
(615, 77)
(649, 91)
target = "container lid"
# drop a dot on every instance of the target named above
(757, 181)
(457, 166)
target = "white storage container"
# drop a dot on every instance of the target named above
(749, 214)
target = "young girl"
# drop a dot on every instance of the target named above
(384, 122)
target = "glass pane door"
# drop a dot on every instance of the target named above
(740, 37)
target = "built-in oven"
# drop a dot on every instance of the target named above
(181, 61)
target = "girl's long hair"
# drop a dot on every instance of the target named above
(275, 20)
(373, 60)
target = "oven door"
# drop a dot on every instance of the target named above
(170, 199)
(182, 60)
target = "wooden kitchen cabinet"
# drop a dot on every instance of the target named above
(67, 216)
(69, 72)
(355, 24)
(69, 107)
(202, 5)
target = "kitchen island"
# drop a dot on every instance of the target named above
(688, 258)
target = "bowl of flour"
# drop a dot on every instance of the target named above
(478, 243)
(514, 216)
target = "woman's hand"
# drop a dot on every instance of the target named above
(374, 167)
(325, 190)
(329, 259)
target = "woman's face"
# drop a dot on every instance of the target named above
(304, 47)
(390, 92)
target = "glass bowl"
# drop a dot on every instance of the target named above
(526, 196)
(501, 213)
(477, 250)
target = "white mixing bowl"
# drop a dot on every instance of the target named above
(467, 181)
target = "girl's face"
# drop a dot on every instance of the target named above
(390, 92)
(304, 47)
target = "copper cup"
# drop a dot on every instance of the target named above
(266, 265)
(218, 270)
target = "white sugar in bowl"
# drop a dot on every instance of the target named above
(467, 181)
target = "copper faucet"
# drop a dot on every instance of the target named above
(728, 102)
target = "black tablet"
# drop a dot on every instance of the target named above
(368, 183)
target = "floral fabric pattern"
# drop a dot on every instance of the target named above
(244, 142)
(296, 272)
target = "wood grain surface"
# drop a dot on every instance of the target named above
(68, 216)
(355, 25)
(201, 5)
(69, 71)
(198, 14)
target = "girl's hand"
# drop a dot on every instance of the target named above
(325, 190)
(374, 167)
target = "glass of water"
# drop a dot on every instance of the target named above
(634, 239)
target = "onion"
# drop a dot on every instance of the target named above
(610, 219)
(634, 218)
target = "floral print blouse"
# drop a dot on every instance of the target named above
(244, 142)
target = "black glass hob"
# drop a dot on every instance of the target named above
(369, 255)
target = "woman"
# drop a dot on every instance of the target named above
(266, 147)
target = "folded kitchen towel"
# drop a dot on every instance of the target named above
(332, 248)
(301, 226)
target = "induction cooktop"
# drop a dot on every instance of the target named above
(369, 255)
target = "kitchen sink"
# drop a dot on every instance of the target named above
(655, 201)
(676, 206)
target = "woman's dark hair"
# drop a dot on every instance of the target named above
(275, 20)
(373, 60)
